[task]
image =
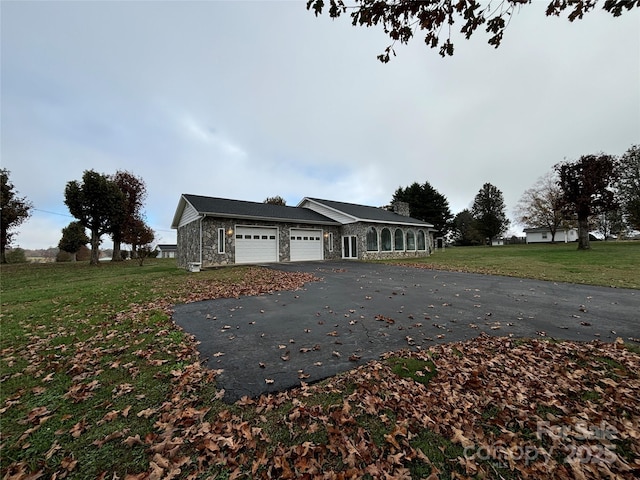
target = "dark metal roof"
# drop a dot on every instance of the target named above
(224, 207)
(374, 214)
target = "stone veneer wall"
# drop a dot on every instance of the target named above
(210, 226)
(360, 231)
(188, 237)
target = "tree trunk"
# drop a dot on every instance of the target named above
(74, 257)
(117, 251)
(95, 248)
(583, 233)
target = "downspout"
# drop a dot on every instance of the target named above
(200, 242)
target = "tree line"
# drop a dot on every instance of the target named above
(595, 192)
(102, 204)
(598, 191)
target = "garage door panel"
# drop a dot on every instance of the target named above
(305, 244)
(256, 245)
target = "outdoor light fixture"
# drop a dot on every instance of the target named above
(326, 234)
(230, 231)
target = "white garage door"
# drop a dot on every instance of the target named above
(306, 244)
(256, 245)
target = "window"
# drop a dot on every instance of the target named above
(421, 243)
(256, 237)
(398, 240)
(385, 240)
(372, 240)
(221, 240)
(544, 236)
(331, 242)
(411, 240)
(239, 236)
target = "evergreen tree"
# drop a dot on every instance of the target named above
(427, 204)
(489, 212)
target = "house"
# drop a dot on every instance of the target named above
(543, 235)
(167, 251)
(219, 231)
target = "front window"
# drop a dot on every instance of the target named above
(385, 240)
(221, 240)
(411, 240)
(372, 240)
(421, 243)
(398, 239)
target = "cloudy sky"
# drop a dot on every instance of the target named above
(248, 100)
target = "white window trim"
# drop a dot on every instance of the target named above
(377, 239)
(221, 240)
(331, 241)
(404, 241)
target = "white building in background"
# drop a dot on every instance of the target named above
(543, 235)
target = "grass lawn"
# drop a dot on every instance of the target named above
(96, 382)
(615, 264)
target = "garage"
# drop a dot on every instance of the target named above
(256, 245)
(306, 244)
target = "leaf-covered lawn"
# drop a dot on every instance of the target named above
(102, 389)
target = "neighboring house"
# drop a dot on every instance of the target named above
(543, 235)
(218, 231)
(167, 251)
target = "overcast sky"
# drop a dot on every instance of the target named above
(248, 100)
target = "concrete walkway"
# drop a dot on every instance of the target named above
(360, 310)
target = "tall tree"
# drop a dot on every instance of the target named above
(140, 236)
(97, 203)
(489, 212)
(73, 239)
(134, 192)
(541, 205)
(587, 189)
(13, 211)
(464, 229)
(427, 204)
(277, 200)
(400, 19)
(628, 186)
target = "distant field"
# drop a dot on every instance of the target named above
(615, 264)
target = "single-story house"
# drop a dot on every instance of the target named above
(167, 250)
(219, 231)
(543, 235)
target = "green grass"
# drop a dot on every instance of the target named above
(79, 343)
(614, 264)
(66, 325)
(418, 370)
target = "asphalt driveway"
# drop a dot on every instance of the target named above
(360, 310)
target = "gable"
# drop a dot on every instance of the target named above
(350, 213)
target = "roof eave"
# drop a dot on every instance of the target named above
(268, 219)
(355, 219)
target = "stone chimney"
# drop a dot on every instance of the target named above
(401, 208)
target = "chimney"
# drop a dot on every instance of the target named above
(401, 208)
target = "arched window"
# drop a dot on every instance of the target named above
(372, 240)
(411, 240)
(398, 240)
(385, 240)
(421, 243)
